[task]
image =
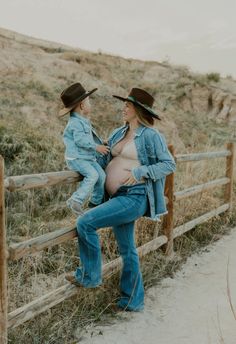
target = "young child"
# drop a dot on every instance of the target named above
(81, 147)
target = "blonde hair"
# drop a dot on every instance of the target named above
(144, 116)
(78, 104)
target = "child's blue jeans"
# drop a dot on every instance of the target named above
(93, 182)
(128, 204)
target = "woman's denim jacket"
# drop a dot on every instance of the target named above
(80, 139)
(156, 163)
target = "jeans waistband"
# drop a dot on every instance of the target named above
(129, 189)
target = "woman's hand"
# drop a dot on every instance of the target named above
(130, 180)
(102, 149)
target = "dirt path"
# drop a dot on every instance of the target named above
(191, 308)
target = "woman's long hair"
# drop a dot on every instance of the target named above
(144, 116)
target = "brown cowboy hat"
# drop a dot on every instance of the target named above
(71, 96)
(141, 98)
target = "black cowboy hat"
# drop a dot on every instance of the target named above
(141, 98)
(71, 96)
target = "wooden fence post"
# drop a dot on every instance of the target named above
(230, 175)
(168, 221)
(3, 260)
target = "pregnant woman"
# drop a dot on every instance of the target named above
(136, 167)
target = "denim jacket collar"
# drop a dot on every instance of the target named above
(82, 118)
(140, 130)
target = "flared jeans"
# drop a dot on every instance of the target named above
(120, 212)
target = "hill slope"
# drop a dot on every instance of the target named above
(195, 108)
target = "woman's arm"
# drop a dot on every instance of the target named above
(165, 162)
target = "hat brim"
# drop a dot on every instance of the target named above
(135, 102)
(66, 110)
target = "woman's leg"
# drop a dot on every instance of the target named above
(131, 283)
(120, 210)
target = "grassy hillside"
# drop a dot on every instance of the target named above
(35, 72)
(198, 114)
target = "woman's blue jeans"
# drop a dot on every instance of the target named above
(120, 212)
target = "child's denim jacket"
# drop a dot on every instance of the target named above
(80, 139)
(156, 163)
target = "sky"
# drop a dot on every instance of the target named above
(198, 33)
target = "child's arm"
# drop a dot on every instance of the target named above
(83, 138)
(102, 149)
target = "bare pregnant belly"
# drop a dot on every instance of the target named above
(117, 172)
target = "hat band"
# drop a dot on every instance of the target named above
(138, 102)
(131, 98)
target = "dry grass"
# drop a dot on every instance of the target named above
(60, 325)
(33, 213)
(36, 212)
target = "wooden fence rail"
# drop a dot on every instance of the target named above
(34, 245)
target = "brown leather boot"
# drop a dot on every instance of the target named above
(71, 278)
(76, 207)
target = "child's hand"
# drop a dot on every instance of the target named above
(102, 149)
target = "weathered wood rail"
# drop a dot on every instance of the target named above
(43, 180)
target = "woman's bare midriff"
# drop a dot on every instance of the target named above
(118, 169)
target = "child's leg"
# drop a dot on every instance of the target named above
(98, 191)
(86, 169)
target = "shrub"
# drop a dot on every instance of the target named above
(213, 77)
(9, 146)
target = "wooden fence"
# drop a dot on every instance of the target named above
(19, 250)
